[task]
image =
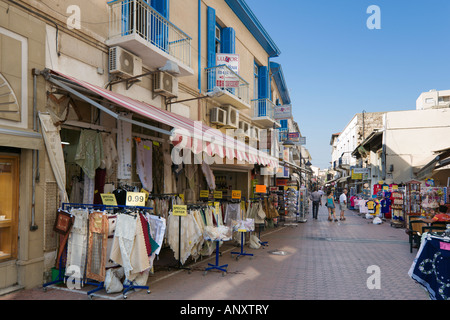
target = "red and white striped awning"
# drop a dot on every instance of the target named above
(186, 133)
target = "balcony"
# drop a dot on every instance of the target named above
(232, 88)
(137, 27)
(263, 113)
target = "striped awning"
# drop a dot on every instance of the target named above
(186, 133)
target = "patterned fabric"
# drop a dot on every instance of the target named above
(431, 268)
(98, 237)
(89, 152)
(76, 246)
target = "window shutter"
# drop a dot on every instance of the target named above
(162, 6)
(228, 40)
(211, 47)
(263, 81)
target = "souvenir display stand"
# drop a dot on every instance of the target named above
(242, 227)
(216, 266)
(397, 209)
(84, 279)
(291, 200)
(412, 200)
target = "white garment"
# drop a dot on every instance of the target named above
(144, 163)
(342, 198)
(77, 243)
(88, 190)
(157, 230)
(124, 140)
(209, 176)
(109, 152)
(123, 242)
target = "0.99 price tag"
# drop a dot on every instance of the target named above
(135, 199)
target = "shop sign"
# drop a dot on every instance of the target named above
(283, 112)
(109, 199)
(204, 194)
(260, 188)
(135, 199)
(224, 77)
(217, 194)
(236, 194)
(179, 210)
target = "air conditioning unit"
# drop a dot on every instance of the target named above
(245, 126)
(232, 117)
(124, 62)
(218, 116)
(165, 84)
(255, 133)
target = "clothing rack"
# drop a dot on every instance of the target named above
(242, 252)
(99, 285)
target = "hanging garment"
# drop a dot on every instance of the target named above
(232, 213)
(97, 247)
(123, 242)
(99, 185)
(169, 179)
(124, 148)
(88, 190)
(189, 171)
(190, 236)
(157, 230)
(209, 176)
(110, 156)
(158, 169)
(144, 152)
(89, 152)
(76, 246)
(139, 258)
(76, 195)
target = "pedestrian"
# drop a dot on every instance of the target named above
(331, 206)
(343, 203)
(316, 202)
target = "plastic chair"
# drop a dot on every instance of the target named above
(415, 232)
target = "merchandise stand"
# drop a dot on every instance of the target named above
(99, 285)
(222, 268)
(242, 253)
(262, 243)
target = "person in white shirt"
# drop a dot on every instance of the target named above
(343, 203)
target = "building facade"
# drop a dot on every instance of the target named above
(154, 68)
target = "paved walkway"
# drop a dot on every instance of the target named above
(319, 260)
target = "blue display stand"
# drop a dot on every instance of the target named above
(242, 253)
(217, 266)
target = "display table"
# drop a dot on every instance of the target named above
(431, 267)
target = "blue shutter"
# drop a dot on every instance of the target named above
(263, 90)
(228, 40)
(211, 47)
(162, 6)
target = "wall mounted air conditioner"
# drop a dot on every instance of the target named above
(255, 133)
(124, 62)
(165, 84)
(232, 117)
(218, 116)
(245, 126)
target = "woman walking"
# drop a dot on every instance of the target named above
(331, 206)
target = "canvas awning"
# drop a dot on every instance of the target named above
(185, 133)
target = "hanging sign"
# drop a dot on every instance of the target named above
(204, 194)
(283, 112)
(135, 199)
(146, 193)
(260, 188)
(217, 194)
(108, 199)
(235, 194)
(179, 210)
(227, 77)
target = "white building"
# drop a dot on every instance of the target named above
(433, 99)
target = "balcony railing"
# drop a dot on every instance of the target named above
(263, 108)
(128, 17)
(229, 81)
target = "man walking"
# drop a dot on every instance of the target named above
(316, 199)
(343, 203)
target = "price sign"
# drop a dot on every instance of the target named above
(260, 188)
(108, 199)
(179, 210)
(146, 193)
(217, 194)
(135, 199)
(235, 194)
(204, 194)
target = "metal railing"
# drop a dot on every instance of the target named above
(226, 79)
(128, 17)
(263, 108)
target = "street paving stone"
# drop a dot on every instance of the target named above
(323, 261)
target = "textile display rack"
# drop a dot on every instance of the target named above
(222, 268)
(93, 257)
(260, 225)
(242, 232)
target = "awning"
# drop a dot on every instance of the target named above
(439, 161)
(186, 133)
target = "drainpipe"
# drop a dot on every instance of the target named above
(35, 175)
(200, 46)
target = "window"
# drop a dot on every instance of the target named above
(255, 81)
(9, 206)
(218, 39)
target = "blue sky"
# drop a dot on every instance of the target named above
(336, 67)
